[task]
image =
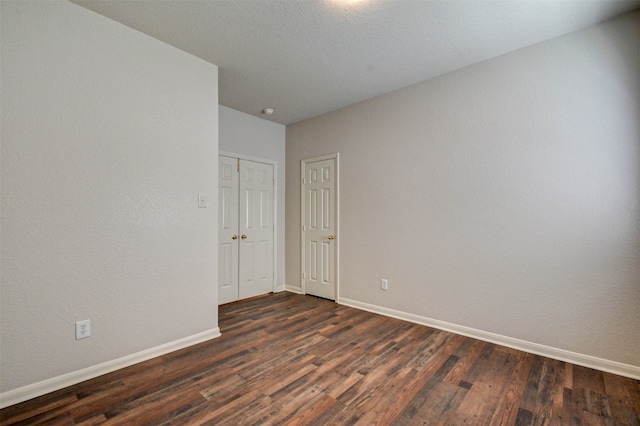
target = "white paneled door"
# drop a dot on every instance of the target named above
(256, 228)
(246, 229)
(319, 236)
(228, 230)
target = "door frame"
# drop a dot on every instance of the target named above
(333, 156)
(275, 206)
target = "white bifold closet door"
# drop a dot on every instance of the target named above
(246, 231)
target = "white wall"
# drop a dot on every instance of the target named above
(108, 137)
(255, 137)
(504, 197)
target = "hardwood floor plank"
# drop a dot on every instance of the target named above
(13, 416)
(530, 395)
(569, 415)
(507, 408)
(296, 404)
(568, 375)
(624, 399)
(149, 409)
(375, 409)
(433, 373)
(337, 414)
(284, 383)
(230, 381)
(467, 357)
(227, 408)
(558, 396)
(444, 399)
(92, 421)
(313, 411)
(478, 406)
(287, 359)
(525, 417)
(550, 383)
(478, 366)
(588, 378)
(342, 386)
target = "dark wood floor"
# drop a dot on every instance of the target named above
(291, 359)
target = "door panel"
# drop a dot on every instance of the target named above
(228, 219)
(319, 228)
(256, 249)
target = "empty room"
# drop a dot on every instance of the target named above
(326, 212)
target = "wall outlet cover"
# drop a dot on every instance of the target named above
(83, 329)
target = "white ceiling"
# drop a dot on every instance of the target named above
(308, 57)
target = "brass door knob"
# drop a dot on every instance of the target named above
(332, 237)
(243, 236)
(235, 237)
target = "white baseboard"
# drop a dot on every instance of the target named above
(37, 389)
(589, 361)
(280, 288)
(292, 289)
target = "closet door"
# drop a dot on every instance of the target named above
(246, 229)
(228, 230)
(256, 228)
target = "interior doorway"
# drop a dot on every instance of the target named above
(320, 238)
(246, 228)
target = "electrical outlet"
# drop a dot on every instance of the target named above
(384, 284)
(83, 329)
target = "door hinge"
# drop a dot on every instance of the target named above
(304, 275)
(303, 181)
(238, 166)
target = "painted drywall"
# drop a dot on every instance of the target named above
(108, 137)
(504, 197)
(257, 138)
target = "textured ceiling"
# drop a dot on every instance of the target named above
(308, 57)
